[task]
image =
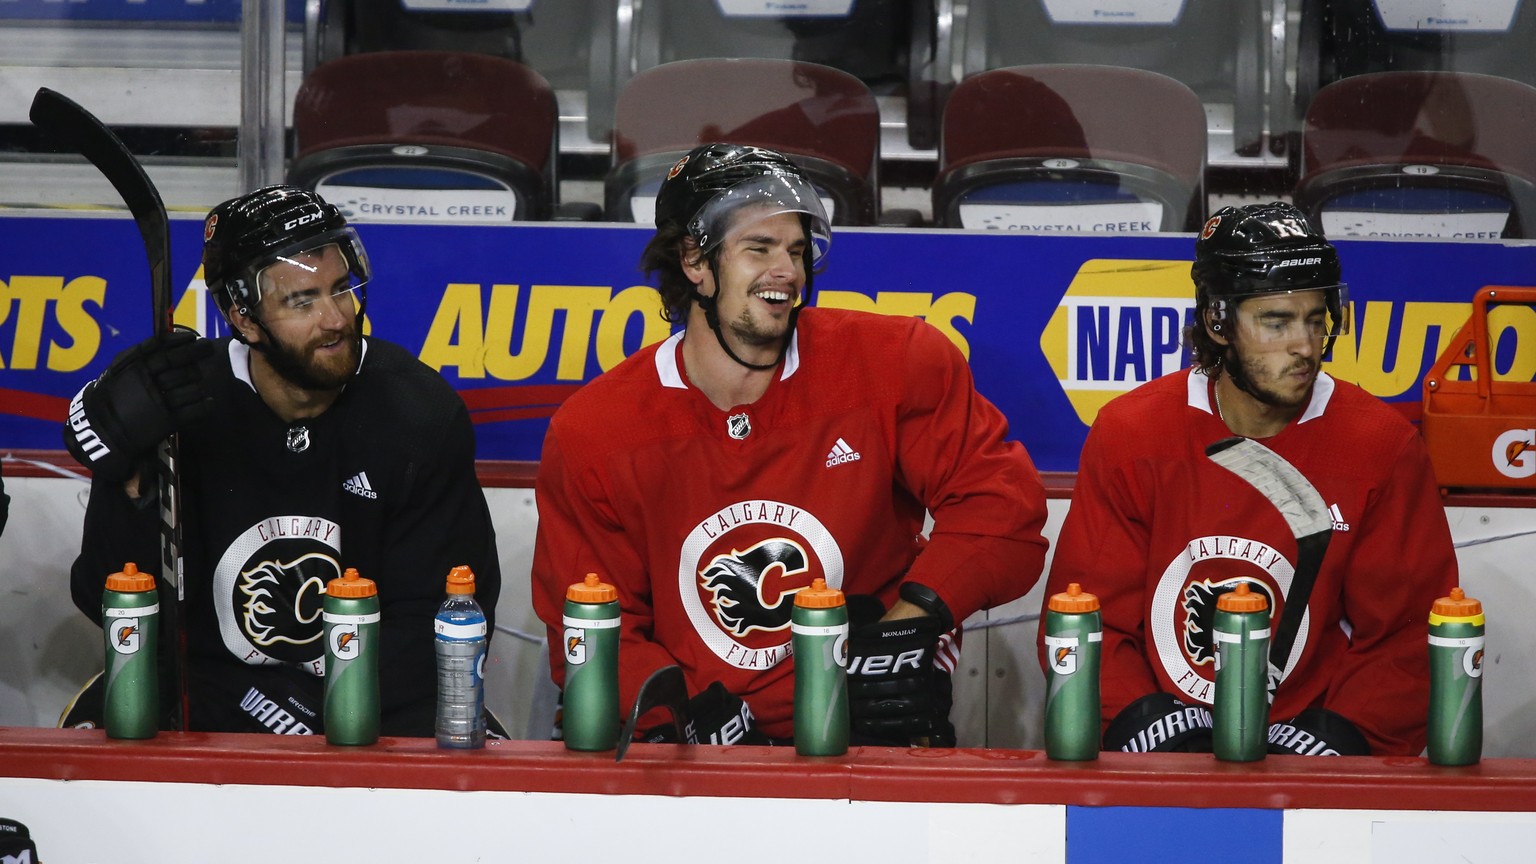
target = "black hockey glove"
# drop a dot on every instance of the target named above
(715, 716)
(1159, 723)
(896, 697)
(149, 391)
(1317, 732)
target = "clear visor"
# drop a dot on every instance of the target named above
(765, 196)
(1317, 314)
(304, 282)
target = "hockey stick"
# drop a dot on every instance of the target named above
(1305, 513)
(664, 689)
(76, 127)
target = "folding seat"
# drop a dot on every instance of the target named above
(887, 44)
(336, 28)
(1339, 38)
(427, 136)
(1071, 148)
(1216, 47)
(1434, 154)
(824, 119)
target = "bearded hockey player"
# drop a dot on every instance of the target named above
(1159, 531)
(713, 475)
(306, 448)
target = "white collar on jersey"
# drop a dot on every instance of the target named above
(672, 376)
(1322, 392)
(240, 360)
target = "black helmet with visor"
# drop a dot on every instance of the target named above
(248, 240)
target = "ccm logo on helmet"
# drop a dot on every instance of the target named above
(302, 220)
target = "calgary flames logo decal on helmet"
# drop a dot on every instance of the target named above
(738, 573)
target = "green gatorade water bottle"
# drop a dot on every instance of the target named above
(590, 717)
(1240, 714)
(1073, 636)
(130, 621)
(351, 615)
(1456, 680)
(818, 627)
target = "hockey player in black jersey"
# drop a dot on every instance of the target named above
(305, 448)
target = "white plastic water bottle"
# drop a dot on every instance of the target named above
(461, 647)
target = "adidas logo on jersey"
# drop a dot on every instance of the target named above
(1338, 519)
(359, 486)
(841, 453)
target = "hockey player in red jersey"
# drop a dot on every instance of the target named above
(713, 475)
(1159, 531)
(306, 448)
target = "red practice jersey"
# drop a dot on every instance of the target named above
(1158, 531)
(709, 521)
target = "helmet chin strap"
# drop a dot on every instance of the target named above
(712, 317)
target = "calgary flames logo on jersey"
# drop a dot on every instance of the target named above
(742, 581)
(1199, 608)
(738, 573)
(1184, 605)
(268, 589)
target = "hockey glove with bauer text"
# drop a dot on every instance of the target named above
(716, 716)
(1317, 732)
(150, 390)
(896, 697)
(1159, 723)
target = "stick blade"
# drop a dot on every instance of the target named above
(1277, 480)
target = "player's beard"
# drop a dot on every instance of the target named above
(1272, 388)
(752, 331)
(301, 368)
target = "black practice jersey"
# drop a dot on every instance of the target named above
(383, 481)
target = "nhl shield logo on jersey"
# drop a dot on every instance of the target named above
(1184, 605)
(738, 573)
(268, 589)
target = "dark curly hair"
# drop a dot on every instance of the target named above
(662, 260)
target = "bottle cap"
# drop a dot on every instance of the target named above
(461, 580)
(1458, 605)
(592, 590)
(1241, 599)
(351, 585)
(819, 596)
(130, 580)
(1074, 600)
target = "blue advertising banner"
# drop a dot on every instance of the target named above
(516, 317)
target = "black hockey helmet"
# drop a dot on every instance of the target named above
(710, 184)
(1265, 249)
(244, 236)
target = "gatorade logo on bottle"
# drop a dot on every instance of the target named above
(1472, 660)
(125, 636)
(345, 643)
(575, 646)
(1063, 654)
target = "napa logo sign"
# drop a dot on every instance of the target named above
(1119, 325)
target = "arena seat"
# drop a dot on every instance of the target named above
(1340, 38)
(824, 119)
(1216, 47)
(1067, 147)
(887, 44)
(428, 136)
(1439, 154)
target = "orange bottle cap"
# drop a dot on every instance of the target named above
(819, 596)
(130, 580)
(1241, 599)
(1074, 600)
(351, 585)
(1458, 605)
(592, 590)
(461, 580)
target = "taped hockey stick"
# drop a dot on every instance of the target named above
(77, 128)
(1305, 513)
(666, 688)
